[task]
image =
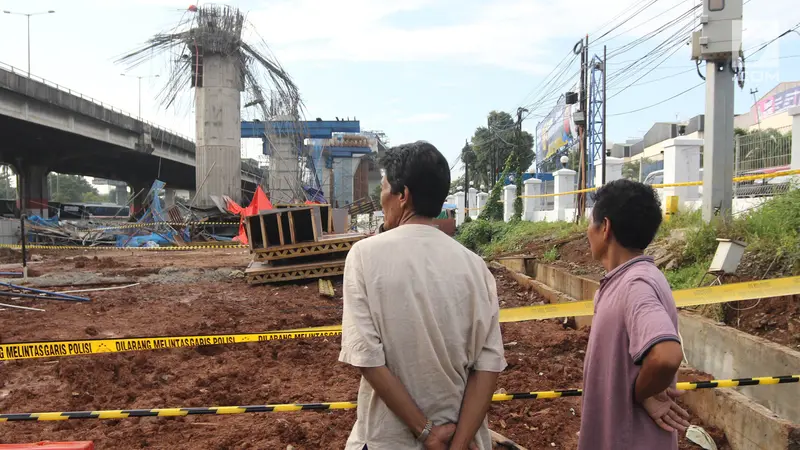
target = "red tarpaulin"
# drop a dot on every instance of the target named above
(259, 203)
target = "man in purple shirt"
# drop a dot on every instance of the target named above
(634, 351)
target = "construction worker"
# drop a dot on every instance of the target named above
(634, 350)
(420, 319)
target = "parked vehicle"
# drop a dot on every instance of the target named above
(756, 188)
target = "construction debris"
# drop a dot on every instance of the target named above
(39, 294)
(289, 244)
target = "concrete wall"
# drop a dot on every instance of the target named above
(9, 232)
(729, 353)
(746, 424)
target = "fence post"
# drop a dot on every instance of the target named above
(533, 186)
(681, 165)
(613, 170)
(509, 194)
(459, 208)
(473, 202)
(483, 197)
(795, 161)
(563, 181)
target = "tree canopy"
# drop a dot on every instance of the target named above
(493, 144)
(72, 188)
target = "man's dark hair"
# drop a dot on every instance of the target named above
(421, 168)
(633, 209)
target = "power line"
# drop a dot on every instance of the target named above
(659, 79)
(658, 103)
(623, 32)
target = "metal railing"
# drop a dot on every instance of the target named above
(759, 153)
(24, 73)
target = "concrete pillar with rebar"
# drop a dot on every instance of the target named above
(218, 129)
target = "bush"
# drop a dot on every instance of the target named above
(491, 238)
(477, 234)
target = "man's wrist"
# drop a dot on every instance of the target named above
(422, 436)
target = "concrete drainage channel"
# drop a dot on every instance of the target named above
(751, 417)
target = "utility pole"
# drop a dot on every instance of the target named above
(718, 43)
(605, 118)
(580, 199)
(465, 153)
(753, 92)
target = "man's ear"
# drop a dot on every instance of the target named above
(606, 228)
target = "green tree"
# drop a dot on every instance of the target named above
(7, 191)
(376, 194)
(493, 144)
(71, 188)
(494, 208)
(457, 185)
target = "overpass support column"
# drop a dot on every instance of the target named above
(283, 177)
(33, 192)
(121, 194)
(218, 130)
(169, 197)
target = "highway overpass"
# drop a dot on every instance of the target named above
(46, 128)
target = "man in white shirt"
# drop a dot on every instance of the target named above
(420, 319)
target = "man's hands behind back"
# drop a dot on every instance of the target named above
(440, 438)
(666, 413)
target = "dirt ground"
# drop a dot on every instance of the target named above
(775, 319)
(203, 293)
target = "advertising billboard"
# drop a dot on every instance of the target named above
(779, 102)
(555, 131)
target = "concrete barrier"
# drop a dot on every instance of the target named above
(729, 353)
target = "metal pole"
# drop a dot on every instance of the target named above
(24, 249)
(605, 122)
(29, 45)
(140, 101)
(718, 154)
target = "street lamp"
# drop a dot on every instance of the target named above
(140, 88)
(29, 30)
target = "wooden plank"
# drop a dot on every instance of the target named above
(325, 246)
(291, 227)
(263, 231)
(257, 267)
(259, 273)
(248, 233)
(280, 229)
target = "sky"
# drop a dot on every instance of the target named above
(415, 69)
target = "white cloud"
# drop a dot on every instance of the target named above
(515, 34)
(424, 117)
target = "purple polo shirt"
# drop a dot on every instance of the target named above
(633, 311)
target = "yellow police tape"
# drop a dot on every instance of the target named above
(688, 297)
(329, 406)
(684, 298)
(155, 224)
(185, 248)
(688, 183)
(49, 349)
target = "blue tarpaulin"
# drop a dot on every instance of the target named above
(41, 221)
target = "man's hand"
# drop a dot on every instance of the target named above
(665, 412)
(440, 437)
